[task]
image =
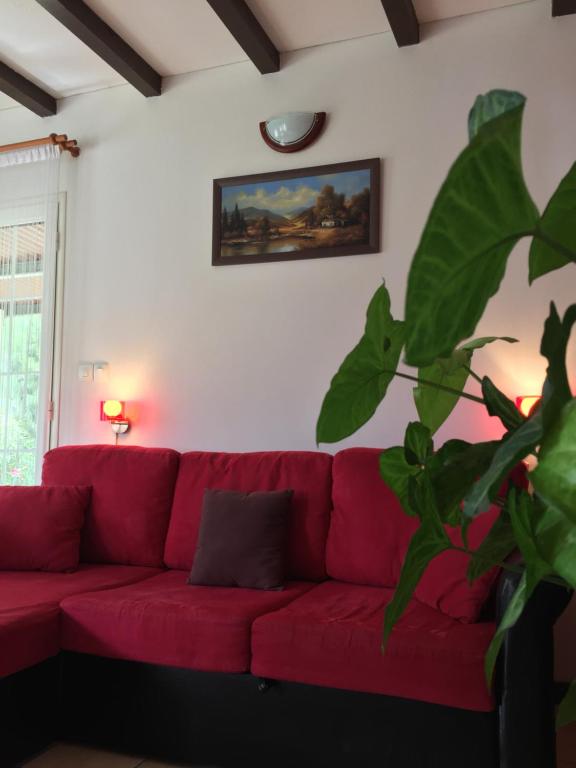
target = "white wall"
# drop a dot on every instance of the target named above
(239, 358)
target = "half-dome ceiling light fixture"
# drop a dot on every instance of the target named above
(292, 131)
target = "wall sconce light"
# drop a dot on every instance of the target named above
(112, 411)
(292, 131)
(526, 404)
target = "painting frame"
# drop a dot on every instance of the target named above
(370, 245)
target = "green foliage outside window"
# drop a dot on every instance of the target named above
(19, 374)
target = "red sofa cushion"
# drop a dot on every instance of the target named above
(308, 474)
(331, 636)
(40, 527)
(22, 589)
(27, 637)
(165, 621)
(445, 586)
(369, 535)
(368, 530)
(132, 490)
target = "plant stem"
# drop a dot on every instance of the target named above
(507, 566)
(558, 247)
(438, 386)
(474, 375)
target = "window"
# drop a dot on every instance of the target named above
(26, 354)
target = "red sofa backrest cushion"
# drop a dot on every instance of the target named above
(308, 474)
(132, 491)
(40, 527)
(369, 535)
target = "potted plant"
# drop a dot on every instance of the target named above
(482, 210)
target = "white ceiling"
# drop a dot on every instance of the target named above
(177, 36)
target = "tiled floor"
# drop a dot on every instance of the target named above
(70, 756)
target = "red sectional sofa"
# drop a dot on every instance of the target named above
(147, 663)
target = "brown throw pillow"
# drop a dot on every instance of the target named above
(242, 539)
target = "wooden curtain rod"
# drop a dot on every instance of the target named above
(59, 139)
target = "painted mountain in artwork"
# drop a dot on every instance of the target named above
(252, 214)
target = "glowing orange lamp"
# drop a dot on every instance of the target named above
(113, 412)
(527, 403)
(111, 409)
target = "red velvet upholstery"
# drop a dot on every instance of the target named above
(165, 621)
(369, 534)
(40, 527)
(22, 589)
(132, 491)
(327, 634)
(445, 587)
(307, 474)
(368, 530)
(331, 636)
(27, 637)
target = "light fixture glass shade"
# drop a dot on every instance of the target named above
(111, 409)
(290, 127)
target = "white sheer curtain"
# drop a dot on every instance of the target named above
(28, 246)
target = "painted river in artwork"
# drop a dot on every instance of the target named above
(283, 245)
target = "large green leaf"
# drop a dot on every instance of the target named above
(491, 105)
(484, 340)
(364, 376)
(396, 473)
(553, 347)
(433, 404)
(567, 708)
(523, 511)
(498, 544)
(515, 447)
(554, 478)
(546, 537)
(481, 211)
(554, 537)
(499, 405)
(556, 227)
(451, 470)
(418, 445)
(429, 541)
(528, 583)
(455, 468)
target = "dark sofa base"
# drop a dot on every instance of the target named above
(29, 702)
(235, 720)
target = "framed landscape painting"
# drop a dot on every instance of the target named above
(308, 213)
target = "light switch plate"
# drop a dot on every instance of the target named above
(100, 371)
(86, 372)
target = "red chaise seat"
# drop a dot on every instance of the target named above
(165, 621)
(122, 543)
(28, 636)
(332, 635)
(23, 589)
(30, 608)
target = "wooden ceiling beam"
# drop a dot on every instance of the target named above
(25, 92)
(246, 29)
(403, 21)
(563, 7)
(81, 20)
